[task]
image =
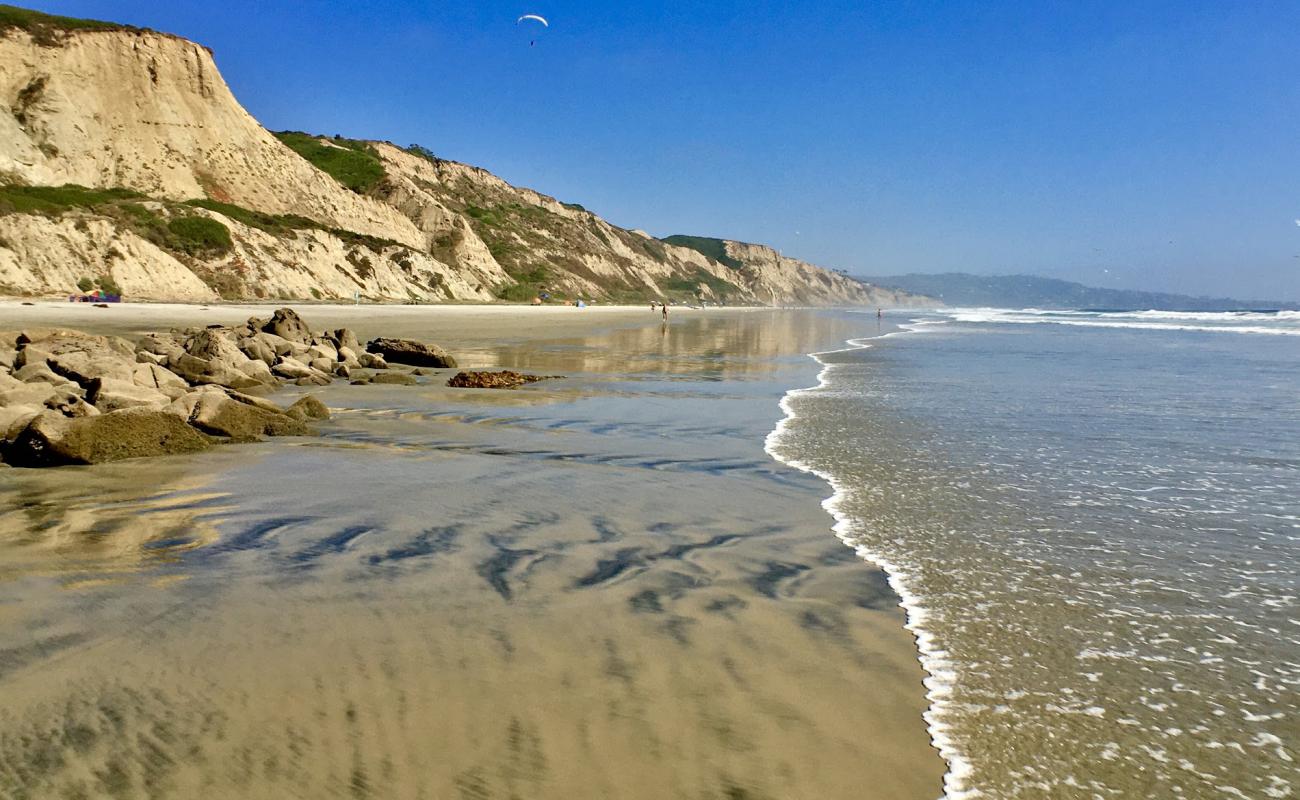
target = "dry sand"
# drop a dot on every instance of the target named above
(599, 586)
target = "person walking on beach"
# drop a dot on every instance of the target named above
(664, 306)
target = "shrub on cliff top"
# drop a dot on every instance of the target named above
(350, 162)
(47, 28)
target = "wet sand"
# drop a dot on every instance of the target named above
(599, 586)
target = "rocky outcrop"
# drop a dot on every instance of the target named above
(501, 379)
(52, 439)
(408, 351)
(71, 398)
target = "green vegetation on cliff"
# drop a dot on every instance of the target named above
(350, 162)
(715, 249)
(47, 29)
(200, 235)
(57, 199)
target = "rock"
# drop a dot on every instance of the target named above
(214, 344)
(143, 357)
(503, 379)
(14, 418)
(152, 376)
(159, 344)
(201, 371)
(399, 378)
(7, 357)
(291, 368)
(322, 349)
(421, 371)
(409, 351)
(258, 348)
(40, 373)
(257, 370)
(348, 356)
(344, 337)
(314, 379)
(51, 439)
(286, 324)
(278, 344)
(80, 357)
(325, 365)
(30, 394)
(212, 357)
(258, 402)
(372, 361)
(343, 371)
(308, 407)
(362, 380)
(112, 394)
(220, 415)
(71, 404)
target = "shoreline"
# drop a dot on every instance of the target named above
(662, 425)
(938, 668)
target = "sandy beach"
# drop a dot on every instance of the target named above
(598, 586)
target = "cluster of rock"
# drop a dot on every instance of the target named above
(68, 397)
(501, 379)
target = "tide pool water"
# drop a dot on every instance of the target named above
(1094, 521)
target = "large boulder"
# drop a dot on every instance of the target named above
(221, 415)
(212, 357)
(51, 439)
(502, 379)
(29, 394)
(323, 349)
(409, 351)
(286, 324)
(308, 407)
(257, 347)
(112, 394)
(291, 368)
(77, 356)
(153, 376)
(344, 337)
(14, 418)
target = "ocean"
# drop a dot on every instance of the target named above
(1093, 520)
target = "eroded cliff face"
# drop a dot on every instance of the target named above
(796, 282)
(150, 112)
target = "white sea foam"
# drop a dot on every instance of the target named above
(941, 671)
(1282, 323)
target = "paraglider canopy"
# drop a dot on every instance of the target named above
(533, 18)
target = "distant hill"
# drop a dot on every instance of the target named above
(1031, 291)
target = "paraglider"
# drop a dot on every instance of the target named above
(533, 18)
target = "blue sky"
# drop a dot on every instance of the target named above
(1150, 145)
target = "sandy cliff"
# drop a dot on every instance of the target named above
(124, 109)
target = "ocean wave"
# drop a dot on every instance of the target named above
(1227, 322)
(940, 670)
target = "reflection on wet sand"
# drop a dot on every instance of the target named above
(599, 588)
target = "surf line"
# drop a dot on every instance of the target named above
(941, 672)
